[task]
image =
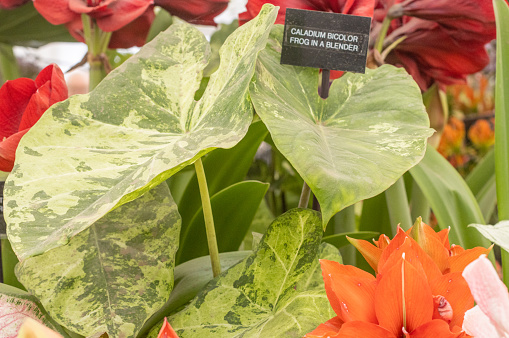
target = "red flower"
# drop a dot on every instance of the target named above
(167, 331)
(131, 17)
(200, 12)
(444, 39)
(354, 7)
(22, 103)
(10, 4)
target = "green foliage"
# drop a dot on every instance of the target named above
(351, 146)
(276, 291)
(118, 272)
(137, 128)
(498, 233)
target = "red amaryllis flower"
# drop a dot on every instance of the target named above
(201, 12)
(354, 7)
(10, 4)
(22, 103)
(110, 16)
(418, 290)
(167, 331)
(444, 41)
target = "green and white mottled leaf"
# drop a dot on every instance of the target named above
(269, 293)
(355, 144)
(92, 153)
(115, 274)
(15, 306)
(498, 233)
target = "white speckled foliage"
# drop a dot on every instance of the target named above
(355, 144)
(93, 153)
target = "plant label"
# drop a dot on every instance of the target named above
(325, 40)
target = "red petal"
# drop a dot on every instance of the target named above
(402, 284)
(350, 291)
(455, 289)
(135, 33)
(167, 331)
(58, 87)
(328, 329)
(200, 12)
(10, 4)
(57, 12)
(436, 328)
(460, 261)
(123, 13)
(362, 329)
(8, 150)
(14, 97)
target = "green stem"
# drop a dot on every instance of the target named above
(97, 42)
(9, 261)
(304, 196)
(383, 33)
(9, 68)
(209, 219)
(397, 204)
(420, 204)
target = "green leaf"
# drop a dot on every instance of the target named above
(113, 276)
(15, 306)
(268, 294)
(339, 240)
(190, 278)
(452, 202)
(216, 41)
(223, 167)
(233, 209)
(498, 233)
(24, 26)
(481, 182)
(351, 146)
(162, 21)
(137, 128)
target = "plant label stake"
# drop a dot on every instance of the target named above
(329, 41)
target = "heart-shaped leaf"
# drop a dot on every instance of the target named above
(498, 233)
(15, 306)
(355, 144)
(115, 274)
(92, 153)
(274, 292)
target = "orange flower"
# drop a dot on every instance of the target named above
(482, 135)
(418, 290)
(451, 142)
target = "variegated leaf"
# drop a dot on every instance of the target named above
(114, 275)
(275, 292)
(92, 153)
(355, 144)
(15, 306)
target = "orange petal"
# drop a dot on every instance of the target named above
(383, 241)
(403, 298)
(328, 329)
(350, 291)
(167, 331)
(431, 243)
(460, 261)
(444, 237)
(436, 328)
(394, 245)
(370, 252)
(455, 289)
(358, 329)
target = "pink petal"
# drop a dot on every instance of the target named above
(477, 324)
(489, 292)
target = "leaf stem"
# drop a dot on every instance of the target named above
(97, 42)
(383, 33)
(9, 68)
(304, 196)
(209, 219)
(420, 204)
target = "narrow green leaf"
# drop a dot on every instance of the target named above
(339, 240)
(233, 209)
(269, 294)
(137, 128)
(353, 145)
(451, 200)
(481, 181)
(498, 233)
(113, 276)
(24, 26)
(15, 306)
